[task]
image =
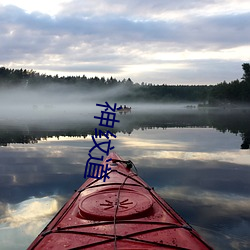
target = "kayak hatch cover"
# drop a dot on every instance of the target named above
(121, 213)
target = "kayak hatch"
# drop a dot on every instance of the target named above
(121, 213)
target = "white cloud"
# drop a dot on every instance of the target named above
(156, 41)
(45, 6)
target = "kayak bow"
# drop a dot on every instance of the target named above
(121, 213)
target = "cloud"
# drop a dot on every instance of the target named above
(142, 10)
(75, 32)
(115, 38)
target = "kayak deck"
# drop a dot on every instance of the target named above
(121, 213)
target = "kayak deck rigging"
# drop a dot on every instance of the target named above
(112, 214)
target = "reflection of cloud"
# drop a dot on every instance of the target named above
(52, 156)
(228, 203)
(186, 144)
(147, 144)
(229, 240)
(67, 138)
(222, 219)
(2, 209)
(150, 143)
(236, 156)
(29, 213)
(26, 220)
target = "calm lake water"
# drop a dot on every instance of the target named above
(197, 160)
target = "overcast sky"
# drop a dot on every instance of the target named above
(154, 41)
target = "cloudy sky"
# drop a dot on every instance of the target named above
(157, 41)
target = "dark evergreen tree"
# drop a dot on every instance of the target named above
(246, 69)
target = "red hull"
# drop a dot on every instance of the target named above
(121, 213)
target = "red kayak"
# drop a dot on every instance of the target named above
(121, 213)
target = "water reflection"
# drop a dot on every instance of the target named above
(234, 121)
(19, 222)
(33, 209)
(193, 161)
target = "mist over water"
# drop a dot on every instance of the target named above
(191, 156)
(61, 102)
(45, 103)
(59, 107)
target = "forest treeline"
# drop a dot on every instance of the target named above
(236, 91)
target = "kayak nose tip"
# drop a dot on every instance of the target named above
(129, 164)
(113, 164)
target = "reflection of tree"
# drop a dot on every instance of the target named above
(237, 122)
(16, 137)
(246, 141)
